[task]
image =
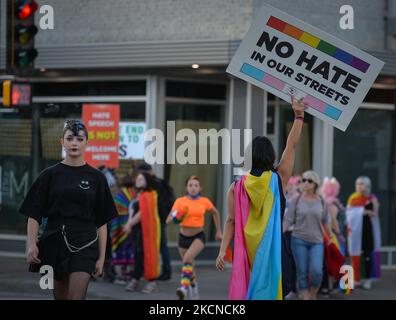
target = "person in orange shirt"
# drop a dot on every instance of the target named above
(189, 211)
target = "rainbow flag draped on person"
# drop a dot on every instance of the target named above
(257, 266)
(151, 233)
(356, 203)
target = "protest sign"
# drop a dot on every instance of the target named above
(102, 121)
(285, 56)
(132, 140)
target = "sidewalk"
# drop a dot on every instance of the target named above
(17, 283)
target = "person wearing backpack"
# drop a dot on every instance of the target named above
(166, 198)
(307, 213)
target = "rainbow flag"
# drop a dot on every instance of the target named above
(151, 232)
(121, 243)
(122, 200)
(339, 243)
(356, 203)
(257, 267)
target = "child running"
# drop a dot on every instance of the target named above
(190, 211)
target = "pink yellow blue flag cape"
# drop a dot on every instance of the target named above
(356, 203)
(151, 233)
(257, 267)
(121, 244)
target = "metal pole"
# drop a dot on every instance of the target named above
(36, 145)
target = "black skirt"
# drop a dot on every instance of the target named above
(54, 252)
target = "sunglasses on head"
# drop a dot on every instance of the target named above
(307, 180)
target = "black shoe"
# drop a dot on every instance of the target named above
(325, 293)
(164, 277)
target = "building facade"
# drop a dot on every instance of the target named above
(139, 54)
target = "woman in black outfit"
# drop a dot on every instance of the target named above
(76, 199)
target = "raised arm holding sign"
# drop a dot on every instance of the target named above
(284, 55)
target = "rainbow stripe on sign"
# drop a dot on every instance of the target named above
(318, 44)
(315, 103)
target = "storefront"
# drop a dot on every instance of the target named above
(142, 59)
(30, 137)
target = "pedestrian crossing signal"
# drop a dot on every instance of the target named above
(16, 94)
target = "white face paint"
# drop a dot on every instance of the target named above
(74, 145)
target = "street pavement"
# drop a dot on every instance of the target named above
(17, 283)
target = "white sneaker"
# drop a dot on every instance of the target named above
(291, 296)
(182, 293)
(193, 291)
(150, 287)
(366, 284)
(132, 285)
(120, 282)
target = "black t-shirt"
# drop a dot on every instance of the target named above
(64, 191)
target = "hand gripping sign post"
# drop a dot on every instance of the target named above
(285, 56)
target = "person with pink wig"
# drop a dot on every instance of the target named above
(330, 190)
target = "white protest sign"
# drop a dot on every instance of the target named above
(284, 56)
(131, 144)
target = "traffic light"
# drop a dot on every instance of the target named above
(21, 31)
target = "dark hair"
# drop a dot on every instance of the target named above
(263, 154)
(143, 166)
(149, 181)
(193, 178)
(127, 181)
(75, 126)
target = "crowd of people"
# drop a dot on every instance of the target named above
(292, 244)
(325, 234)
(146, 204)
(290, 234)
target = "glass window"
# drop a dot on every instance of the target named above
(108, 88)
(15, 167)
(365, 149)
(380, 96)
(195, 117)
(196, 90)
(303, 160)
(205, 113)
(271, 119)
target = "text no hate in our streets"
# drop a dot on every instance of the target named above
(333, 74)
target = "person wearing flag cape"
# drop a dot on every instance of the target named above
(364, 233)
(255, 210)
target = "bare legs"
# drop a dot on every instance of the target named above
(188, 273)
(74, 287)
(189, 255)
